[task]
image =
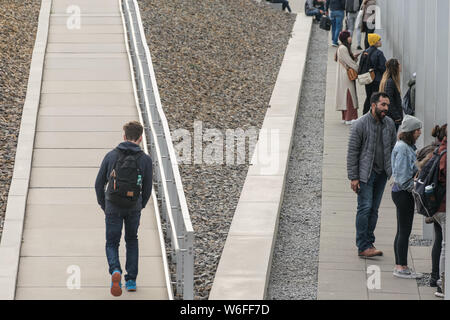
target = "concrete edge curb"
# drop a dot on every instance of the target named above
(244, 268)
(11, 240)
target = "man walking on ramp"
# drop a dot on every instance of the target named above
(127, 172)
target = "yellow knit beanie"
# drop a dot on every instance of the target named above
(373, 38)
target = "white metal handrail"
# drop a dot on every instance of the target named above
(158, 141)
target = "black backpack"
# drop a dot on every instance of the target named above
(407, 105)
(365, 64)
(325, 23)
(125, 180)
(427, 203)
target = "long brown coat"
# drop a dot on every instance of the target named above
(343, 83)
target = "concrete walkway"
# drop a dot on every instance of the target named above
(342, 274)
(86, 96)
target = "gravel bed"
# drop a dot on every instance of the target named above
(18, 26)
(215, 61)
(296, 253)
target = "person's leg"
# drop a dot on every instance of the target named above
(405, 203)
(333, 26)
(113, 222)
(436, 253)
(286, 5)
(440, 218)
(132, 221)
(365, 199)
(378, 190)
(370, 88)
(358, 37)
(395, 199)
(351, 19)
(339, 24)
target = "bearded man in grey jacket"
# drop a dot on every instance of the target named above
(372, 139)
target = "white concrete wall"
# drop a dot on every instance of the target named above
(417, 33)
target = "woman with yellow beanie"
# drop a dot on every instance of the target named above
(377, 62)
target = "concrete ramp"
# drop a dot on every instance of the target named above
(85, 97)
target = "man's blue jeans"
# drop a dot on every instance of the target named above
(369, 199)
(114, 221)
(337, 21)
(314, 12)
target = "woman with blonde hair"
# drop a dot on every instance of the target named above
(346, 97)
(390, 84)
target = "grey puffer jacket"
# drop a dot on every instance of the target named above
(362, 145)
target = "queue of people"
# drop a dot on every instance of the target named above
(382, 143)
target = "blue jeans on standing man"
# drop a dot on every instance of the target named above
(114, 222)
(369, 199)
(337, 21)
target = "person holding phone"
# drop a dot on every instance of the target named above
(372, 139)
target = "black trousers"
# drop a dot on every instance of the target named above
(370, 88)
(404, 202)
(436, 251)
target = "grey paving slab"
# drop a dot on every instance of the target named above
(52, 158)
(87, 99)
(91, 62)
(87, 38)
(97, 56)
(89, 242)
(63, 177)
(124, 111)
(86, 6)
(82, 140)
(93, 271)
(143, 293)
(87, 87)
(87, 20)
(86, 47)
(77, 216)
(112, 73)
(88, 29)
(74, 124)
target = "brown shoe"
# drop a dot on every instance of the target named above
(370, 253)
(378, 253)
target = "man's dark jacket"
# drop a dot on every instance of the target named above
(145, 165)
(335, 5)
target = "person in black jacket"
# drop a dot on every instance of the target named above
(378, 63)
(390, 84)
(116, 216)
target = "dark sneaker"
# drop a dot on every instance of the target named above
(433, 282)
(130, 285)
(116, 284)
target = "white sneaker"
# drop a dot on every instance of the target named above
(407, 274)
(349, 122)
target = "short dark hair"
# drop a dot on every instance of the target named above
(375, 97)
(133, 130)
